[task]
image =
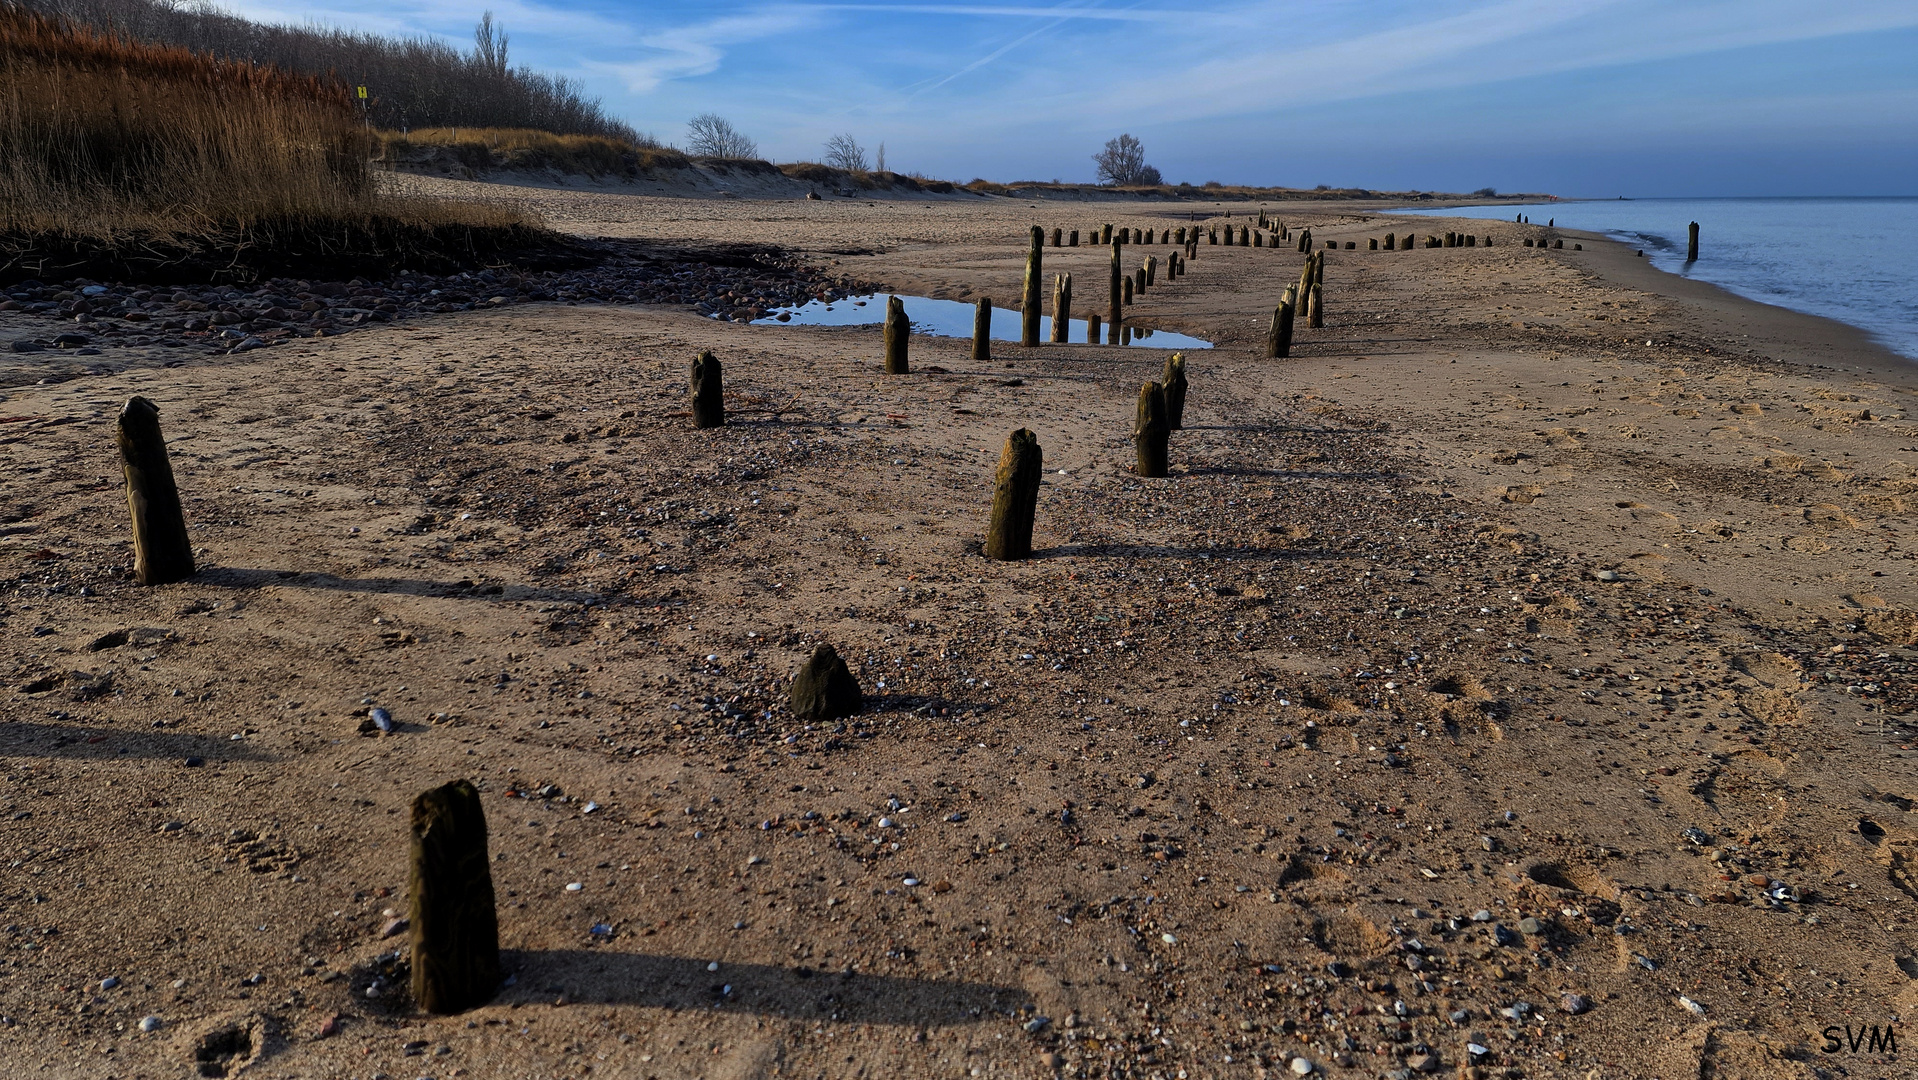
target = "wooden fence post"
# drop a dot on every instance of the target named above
(1150, 431)
(709, 392)
(1015, 498)
(161, 551)
(898, 331)
(455, 929)
(982, 331)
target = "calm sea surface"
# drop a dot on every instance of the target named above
(1854, 260)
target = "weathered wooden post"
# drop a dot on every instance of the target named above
(1072, 240)
(1125, 235)
(455, 930)
(709, 394)
(1212, 235)
(1691, 246)
(1015, 498)
(1105, 235)
(161, 553)
(824, 689)
(1245, 236)
(1128, 288)
(1181, 234)
(1058, 236)
(1407, 245)
(1062, 309)
(982, 331)
(1389, 239)
(1030, 303)
(1174, 382)
(898, 330)
(1258, 239)
(1115, 317)
(1289, 314)
(1316, 317)
(1151, 269)
(1150, 431)
(1092, 328)
(1375, 243)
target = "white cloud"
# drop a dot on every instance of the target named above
(697, 49)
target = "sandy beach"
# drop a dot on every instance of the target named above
(1513, 682)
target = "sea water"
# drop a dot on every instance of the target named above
(1848, 259)
(953, 318)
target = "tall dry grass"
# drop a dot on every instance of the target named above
(526, 148)
(110, 144)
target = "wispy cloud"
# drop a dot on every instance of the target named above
(699, 48)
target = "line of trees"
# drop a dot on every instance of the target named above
(411, 82)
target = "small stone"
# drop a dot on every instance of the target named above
(1503, 936)
(1691, 1006)
(1606, 575)
(394, 927)
(195, 762)
(109, 982)
(1037, 1024)
(1488, 843)
(1301, 1067)
(1169, 939)
(1576, 1004)
(1049, 1059)
(150, 1024)
(173, 826)
(1425, 1063)
(1530, 926)
(1481, 915)
(574, 886)
(1697, 836)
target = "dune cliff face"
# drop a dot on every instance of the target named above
(1483, 687)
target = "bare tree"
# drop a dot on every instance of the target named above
(1122, 163)
(489, 46)
(711, 135)
(844, 152)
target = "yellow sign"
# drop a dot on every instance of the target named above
(362, 93)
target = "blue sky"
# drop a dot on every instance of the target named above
(1572, 97)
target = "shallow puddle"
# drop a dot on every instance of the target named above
(953, 318)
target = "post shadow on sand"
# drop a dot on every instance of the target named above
(237, 577)
(98, 743)
(1120, 549)
(797, 993)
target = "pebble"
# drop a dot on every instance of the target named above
(1169, 939)
(1530, 926)
(1576, 1004)
(151, 1024)
(382, 719)
(574, 886)
(109, 982)
(394, 927)
(1300, 1066)
(1481, 915)
(1037, 1024)
(1691, 1006)
(1697, 836)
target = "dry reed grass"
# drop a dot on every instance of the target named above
(526, 148)
(108, 145)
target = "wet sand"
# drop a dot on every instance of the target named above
(1474, 606)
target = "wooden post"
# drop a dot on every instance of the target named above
(1105, 235)
(1115, 316)
(1258, 239)
(824, 689)
(455, 930)
(1212, 236)
(1389, 239)
(1174, 382)
(1092, 328)
(1691, 246)
(1072, 239)
(898, 330)
(1029, 305)
(1151, 269)
(1061, 308)
(1315, 317)
(161, 553)
(1125, 235)
(1129, 289)
(1245, 236)
(982, 331)
(1407, 245)
(709, 395)
(1375, 243)
(1288, 314)
(1182, 234)
(1058, 236)
(1015, 498)
(1150, 431)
